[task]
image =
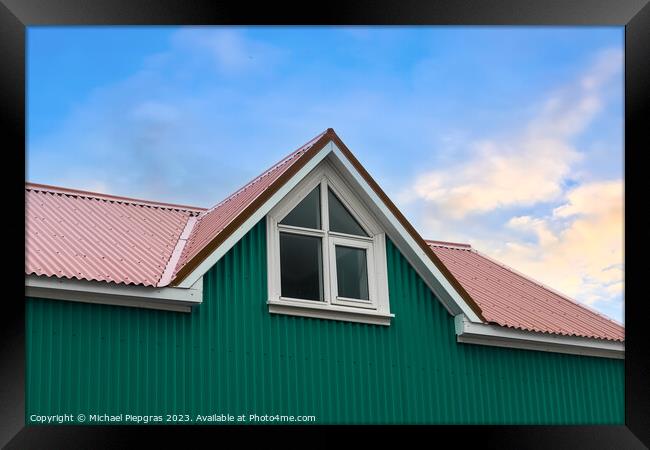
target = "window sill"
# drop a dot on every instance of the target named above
(331, 312)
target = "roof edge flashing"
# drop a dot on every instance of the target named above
(167, 275)
(468, 332)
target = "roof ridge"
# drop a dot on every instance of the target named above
(275, 166)
(109, 197)
(175, 256)
(547, 287)
(448, 244)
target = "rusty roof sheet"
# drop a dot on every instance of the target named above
(213, 221)
(511, 299)
(90, 236)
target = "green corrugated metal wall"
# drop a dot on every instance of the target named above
(231, 356)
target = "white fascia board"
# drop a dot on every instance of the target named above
(258, 215)
(483, 334)
(165, 298)
(429, 272)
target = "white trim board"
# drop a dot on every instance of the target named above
(468, 332)
(166, 298)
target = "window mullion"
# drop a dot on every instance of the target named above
(325, 222)
(327, 288)
(324, 216)
(299, 230)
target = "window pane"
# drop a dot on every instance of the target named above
(340, 218)
(301, 266)
(351, 272)
(307, 213)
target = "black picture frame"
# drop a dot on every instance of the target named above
(16, 15)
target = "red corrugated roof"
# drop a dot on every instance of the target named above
(511, 299)
(90, 236)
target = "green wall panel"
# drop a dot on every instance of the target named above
(231, 356)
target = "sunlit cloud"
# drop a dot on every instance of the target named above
(584, 259)
(570, 236)
(526, 167)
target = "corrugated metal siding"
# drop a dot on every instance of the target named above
(231, 356)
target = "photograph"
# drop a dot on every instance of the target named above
(324, 225)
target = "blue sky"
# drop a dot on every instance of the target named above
(510, 138)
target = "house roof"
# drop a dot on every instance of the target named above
(91, 236)
(511, 299)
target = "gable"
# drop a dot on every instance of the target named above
(256, 199)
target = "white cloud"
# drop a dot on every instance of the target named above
(156, 134)
(521, 172)
(570, 238)
(584, 258)
(228, 48)
(523, 168)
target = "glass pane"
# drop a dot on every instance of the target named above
(301, 266)
(307, 213)
(340, 218)
(351, 272)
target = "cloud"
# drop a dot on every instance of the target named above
(523, 168)
(228, 49)
(501, 174)
(578, 248)
(518, 198)
(157, 133)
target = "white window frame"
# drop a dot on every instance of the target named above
(366, 245)
(376, 310)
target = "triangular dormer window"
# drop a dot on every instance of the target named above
(326, 250)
